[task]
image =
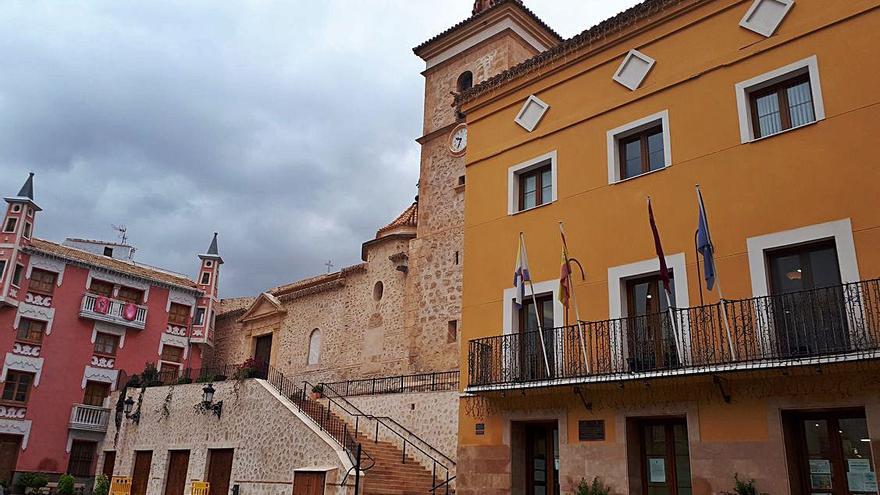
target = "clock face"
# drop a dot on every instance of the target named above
(458, 139)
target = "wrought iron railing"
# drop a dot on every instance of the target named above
(424, 382)
(812, 326)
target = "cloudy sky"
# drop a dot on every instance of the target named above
(287, 126)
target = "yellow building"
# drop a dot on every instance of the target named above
(772, 107)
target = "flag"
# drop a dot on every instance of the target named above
(704, 243)
(521, 272)
(564, 275)
(664, 270)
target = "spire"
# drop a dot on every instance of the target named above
(483, 5)
(213, 253)
(27, 190)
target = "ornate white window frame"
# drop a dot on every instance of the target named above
(176, 341)
(17, 427)
(34, 312)
(839, 230)
(48, 264)
(26, 364)
(105, 375)
(109, 328)
(178, 297)
(119, 280)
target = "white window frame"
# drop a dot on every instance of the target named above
(618, 75)
(839, 230)
(532, 100)
(809, 65)
(197, 323)
(510, 324)
(754, 8)
(617, 304)
(514, 172)
(615, 135)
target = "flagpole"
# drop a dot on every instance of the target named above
(678, 339)
(717, 278)
(577, 312)
(538, 316)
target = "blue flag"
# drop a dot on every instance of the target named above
(704, 244)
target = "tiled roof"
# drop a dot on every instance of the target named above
(409, 218)
(316, 281)
(124, 267)
(95, 241)
(476, 18)
(233, 305)
(586, 39)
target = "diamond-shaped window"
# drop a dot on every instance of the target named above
(634, 69)
(532, 112)
(765, 16)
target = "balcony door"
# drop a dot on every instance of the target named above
(809, 312)
(531, 352)
(650, 337)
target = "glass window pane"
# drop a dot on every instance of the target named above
(529, 200)
(546, 186)
(530, 183)
(800, 100)
(823, 267)
(769, 119)
(633, 151)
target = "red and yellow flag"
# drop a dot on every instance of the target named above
(564, 275)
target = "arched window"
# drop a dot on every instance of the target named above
(378, 291)
(465, 81)
(315, 347)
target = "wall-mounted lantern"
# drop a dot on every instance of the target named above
(208, 401)
(128, 405)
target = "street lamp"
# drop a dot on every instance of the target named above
(128, 405)
(208, 400)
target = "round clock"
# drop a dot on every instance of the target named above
(458, 139)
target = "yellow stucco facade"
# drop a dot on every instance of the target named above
(808, 184)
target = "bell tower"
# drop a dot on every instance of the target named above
(208, 281)
(498, 35)
(15, 234)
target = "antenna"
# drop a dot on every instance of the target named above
(123, 235)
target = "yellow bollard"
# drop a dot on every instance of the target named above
(120, 485)
(200, 487)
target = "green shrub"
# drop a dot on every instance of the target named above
(184, 380)
(65, 485)
(744, 488)
(102, 485)
(34, 481)
(594, 488)
(150, 376)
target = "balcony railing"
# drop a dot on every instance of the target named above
(120, 312)
(91, 418)
(831, 324)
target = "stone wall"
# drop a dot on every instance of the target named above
(269, 439)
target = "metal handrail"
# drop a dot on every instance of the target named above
(355, 412)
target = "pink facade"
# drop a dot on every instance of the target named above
(74, 321)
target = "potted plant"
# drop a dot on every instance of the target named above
(743, 487)
(30, 482)
(594, 488)
(65, 485)
(102, 485)
(317, 392)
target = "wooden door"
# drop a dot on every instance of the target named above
(178, 464)
(219, 470)
(665, 457)
(109, 463)
(308, 483)
(10, 445)
(140, 475)
(532, 365)
(542, 458)
(263, 349)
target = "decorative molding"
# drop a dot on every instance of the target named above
(48, 264)
(531, 113)
(38, 300)
(765, 16)
(176, 341)
(17, 427)
(180, 298)
(27, 364)
(175, 330)
(100, 375)
(35, 313)
(120, 280)
(26, 349)
(102, 362)
(634, 69)
(12, 412)
(104, 327)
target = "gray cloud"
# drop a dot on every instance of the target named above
(288, 126)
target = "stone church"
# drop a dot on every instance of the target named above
(394, 315)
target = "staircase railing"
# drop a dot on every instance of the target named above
(327, 422)
(437, 458)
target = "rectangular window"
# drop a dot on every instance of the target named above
(178, 314)
(452, 332)
(101, 288)
(639, 147)
(535, 187)
(642, 152)
(108, 251)
(127, 294)
(172, 354)
(206, 278)
(30, 331)
(2, 268)
(106, 344)
(27, 230)
(780, 100)
(95, 393)
(42, 282)
(782, 106)
(17, 387)
(10, 225)
(16, 276)
(199, 318)
(82, 456)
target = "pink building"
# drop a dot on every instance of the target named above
(75, 315)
